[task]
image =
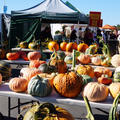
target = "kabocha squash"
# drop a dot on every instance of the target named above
(102, 70)
(84, 59)
(86, 79)
(96, 92)
(114, 89)
(53, 46)
(47, 111)
(35, 55)
(63, 46)
(5, 70)
(96, 60)
(68, 84)
(28, 73)
(12, 55)
(82, 47)
(39, 86)
(18, 84)
(85, 70)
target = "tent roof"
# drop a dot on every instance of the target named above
(49, 10)
(108, 27)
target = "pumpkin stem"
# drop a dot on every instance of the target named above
(90, 114)
(113, 111)
(74, 60)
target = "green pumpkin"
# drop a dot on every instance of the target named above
(86, 79)
(68, 59)
(39, 86)
(61, 55)
(5, 70)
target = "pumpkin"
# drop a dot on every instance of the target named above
(84, 59)
(96, 60)
(86, 79)
(5, 70)
(114, 89)
(115, 60)
(68, 84)
(0, 78)
(36, 63)
(102, 70)
(63, 46)
(23, 44)
(35, 55)
(70, 46)
(18, 84)
(61, 55)
(82, 47)
(12, 55)
(85, 70)
(104, 79)
(75, 45)
(47, 111)
(39, 86)
(95, 91)
(28, 73)
(52, 45)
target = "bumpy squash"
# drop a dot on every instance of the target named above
(96, 92)
(47, 111)
(68, 84)
(39, 86)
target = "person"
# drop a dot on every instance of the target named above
(73, 36)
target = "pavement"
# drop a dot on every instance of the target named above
(78, 112)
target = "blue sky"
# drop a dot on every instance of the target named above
(109, 8)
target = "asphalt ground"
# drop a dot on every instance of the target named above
(78, 112)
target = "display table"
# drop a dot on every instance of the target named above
(53, 98)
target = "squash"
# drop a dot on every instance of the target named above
(102, 70)
(47, 111)
(63, 46)
(96, 92)
(18, 84)
(85, 70)
(114, 89)
(96, 60)
(12, 55)
(82, 47)
(84, 59)
(115, 60)
(86, 79)
(68, 84)
(5, 70)
(35, 55)
(61, 55)
(28, 73)
(39, 86)
(52, 45)
(23, 44)
(0, 78)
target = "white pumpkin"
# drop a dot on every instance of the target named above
(115, 61)
(96, 60)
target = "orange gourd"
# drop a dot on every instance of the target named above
(12, 55)
(82, 47)
(70, 46)
(35, 55)
(53, 46)
(63, 46)
(18, 84)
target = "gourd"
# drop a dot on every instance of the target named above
(68, 59)
(68, 84)
(106, 62)
(82, 47)
(28, 73)
(23, 44)
(5, 70)
(85, 70)
(47, 111)
(92, 49)
(18, 84)
(0, 78)
(33, 45)
(115, 60)
(39, 86)
(114, 89)
(96, 60)
(96, 92)
(84, 59)
(116, 75)
(35, 55)
(63, 46)
(52, 45)
(102, 70)
(12, 55)
(61, 55)
(86, 79)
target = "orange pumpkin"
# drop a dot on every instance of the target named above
(18, 84)
(12, 55)
(36, 63)
(53, 46)
(68, 84)
(69, 47)
(84, 59)
(63, 46)
(35, 55)
(82, 47)
(75, 45)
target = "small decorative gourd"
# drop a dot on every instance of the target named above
(39, 86)
(96, 60)
(96, 92)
